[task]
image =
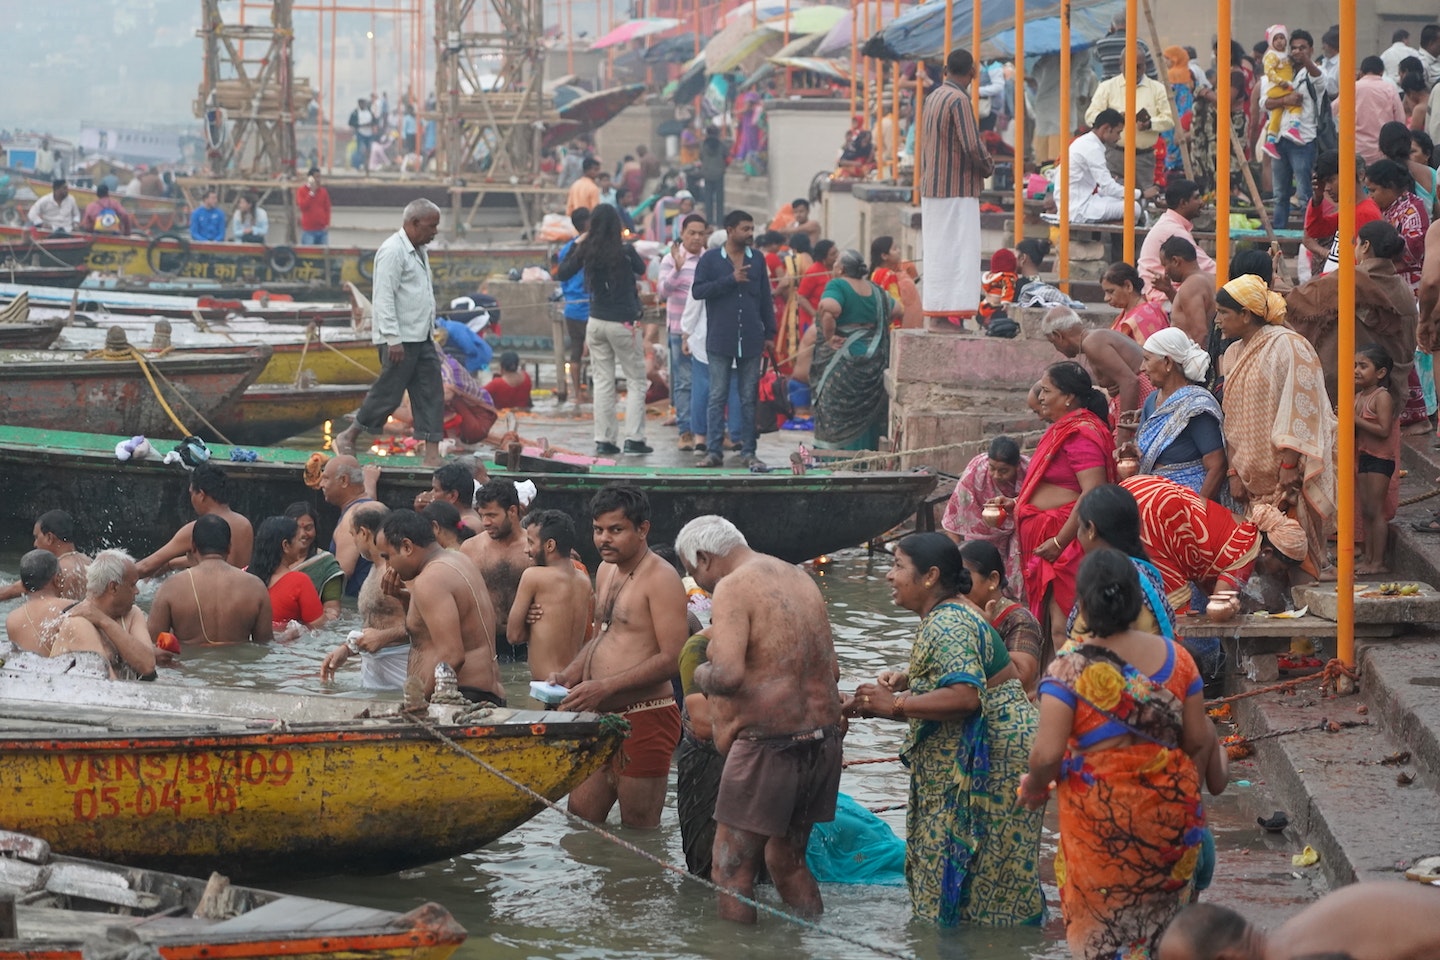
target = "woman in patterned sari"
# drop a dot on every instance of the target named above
(1279, 422)
(1110, 520)
(1180, 423)
(971, 856)
(998, 472)
(1123, 734)
(1125, 291)
(1017, 626)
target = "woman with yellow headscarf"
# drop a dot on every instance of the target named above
(1279, 422)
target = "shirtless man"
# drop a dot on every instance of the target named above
(449, 615)
(1388, 920)
(499, 553)
(107, 622)
(1192, 307)
(561, 591)
(343, 485)
(1112, 357)
(770, 683)
(55, 533)
(455, 484)
(236, 607)
(34, 624)
(383, 645)
(639, 630)
(208, 496)
(802, 222)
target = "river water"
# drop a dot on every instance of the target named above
(552, 890)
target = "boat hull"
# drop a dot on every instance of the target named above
(267, 414)
(39, 250)
(30, 336)
(794, 518)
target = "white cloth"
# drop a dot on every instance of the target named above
(404, 300)
(48, 214)
(693, 325)
(1392, 56)
(1330, 72)
(950, 231)
(1431, 64)
(1095, 195)
(385, 669)
(1432, 116)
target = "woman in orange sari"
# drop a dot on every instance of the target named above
(1123, 733)
(1076, 454)
(1125, 291)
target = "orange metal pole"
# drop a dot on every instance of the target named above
(1223, 93)
(1062, 264)
(855, 54)
(570, 36)
(949, 27)
(319, 71)
(1345, 460)
(787, 43)
(697, 28)
(1018, 168)
(919, 130)
(895, 112)
(1132, 37)
(331, 167)
(975, 52)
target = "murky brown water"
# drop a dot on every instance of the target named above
(550, 889)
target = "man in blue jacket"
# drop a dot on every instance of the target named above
(740, 315)
(207, 222)
(577, 301)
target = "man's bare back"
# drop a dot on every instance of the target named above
(123, 642)
(71, 579)
(449, 607)
(211, 604)
(1193, 310)
(34, 624)
(564, 593)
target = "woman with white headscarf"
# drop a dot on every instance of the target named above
(1181, 436)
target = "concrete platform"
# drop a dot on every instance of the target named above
(1323, 600)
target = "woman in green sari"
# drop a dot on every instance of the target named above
(319, 565)
(972, 854)
(852, 350)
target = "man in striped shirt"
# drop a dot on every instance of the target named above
(953, 166)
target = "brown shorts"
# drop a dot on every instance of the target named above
(654, 732)
(775, 784)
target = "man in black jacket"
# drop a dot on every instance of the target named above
(740, 327)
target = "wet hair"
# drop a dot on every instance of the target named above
(1391, 175)
(984, 557)
(959, 63)
(1035, 250)
(58, 524)
(879, 247)
(1108, 118)
(454, 478)
(800, 242)
(553, 525)
(1074, 380)
(629, 499)
(1178, 246)
(822, 250)
(1178, 191)
(710, 533)
(369, 516)
(270, 539)
(935, 550)
(1209, 929)
(510, 360)
(211, 534)
(734, 218)
(403, 525)
(1422, 140)
(1004, 450)
(1251, 263)
(1108, 591)
(37, 569)
(667, 553)
(302, 508)
(1112, 510)
(1122, 274)
(108, 567)
(852, 264)
(501, 492)
(1395, 141)
(693, 218)
(1383, 238)
(211, 481)
(444, 514)
(1378, 355)
(1327, 165)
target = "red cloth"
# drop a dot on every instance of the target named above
(812, 285)
(1189, 538)
(314, 208)
(293, 597)
(507, 397)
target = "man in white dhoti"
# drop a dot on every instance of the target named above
(1095, 195)
(953, 166)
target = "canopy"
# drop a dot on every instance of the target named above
(838, 39)
(919, 33)
(1042, 37)
(750, 12)
(676, 49)
(598, 108)
(634, 29)
(811, 20)
(834, 69)
(730, 47)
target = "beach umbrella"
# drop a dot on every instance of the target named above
(919, 33)
(752, 10)
(1042, 36)
(598, 108)
(690, 84)
(634, 30)
(825, 66)
(676, 49)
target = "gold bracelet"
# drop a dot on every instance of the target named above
(899, 706)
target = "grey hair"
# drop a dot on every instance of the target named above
(1058, 320)
(418, 208)
(108, 567)
(355, 474)
(38, 568)
(712, 534)
(852, 264)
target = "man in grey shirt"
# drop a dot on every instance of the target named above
(404, 317)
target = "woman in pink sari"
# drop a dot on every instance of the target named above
(1125, 291)
(999, 472)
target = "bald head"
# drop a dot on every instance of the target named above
(1206, 931)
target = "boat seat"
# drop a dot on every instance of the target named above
(98, 884)
(301, 914)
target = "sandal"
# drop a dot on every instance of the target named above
(1432, 527)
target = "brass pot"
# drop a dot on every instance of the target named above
(1222, 609)
(1127, 467)
(993, 514)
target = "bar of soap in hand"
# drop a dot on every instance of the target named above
(548, 692)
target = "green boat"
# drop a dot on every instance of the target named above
(140, 504)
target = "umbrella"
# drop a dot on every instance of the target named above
(676, 49)
(826, 67)
(730, 47)
(838, 39)
(635, 29)
(690, 84)
(761, 11)
(598, 108)
(919, 33)
(811, 20)
(567, 93)
(799, 47)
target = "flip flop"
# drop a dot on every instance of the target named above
(1424, 870)
(1432, 527)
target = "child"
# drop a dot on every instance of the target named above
(1280, 80)
(1377, 447)
(998, 286)
(894, 276)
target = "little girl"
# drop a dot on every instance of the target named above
(1280, 80)
(1377, 447)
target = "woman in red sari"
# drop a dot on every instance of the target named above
(1125, 291)
(1076, 454)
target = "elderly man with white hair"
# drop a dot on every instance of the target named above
(1113, 359)
(404, 320)
(771, 686)
(107, 622)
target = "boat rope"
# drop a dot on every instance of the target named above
(131, 353)
(313, 330)
(857, 763)
(1329, 726)
(431, 729)
(304, 350)
(1333, 671)
(189, 406)
(821, 464)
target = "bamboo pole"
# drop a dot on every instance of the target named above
(1062, 262)
(1017, 170)
(1223, 95)
(1345, 460)
(855, 54)
(1132, 39)
(1181, 144)
(919, 130)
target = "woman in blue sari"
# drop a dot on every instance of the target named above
(1180, 435)
(1110, 518)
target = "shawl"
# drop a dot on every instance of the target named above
(1409, 218)
(1251, 293)
(1169, 420)
(1052, 445)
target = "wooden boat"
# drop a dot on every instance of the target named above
(61, 276)
(70, 908)
(269, 413)
(47, 389)
(152, 214)
(30, 335)
(175, 306)
(271, 785)
(793, 517)
(41, 249)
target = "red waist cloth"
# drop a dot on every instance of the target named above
(1034, 527)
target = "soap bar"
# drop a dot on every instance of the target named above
(547, 692)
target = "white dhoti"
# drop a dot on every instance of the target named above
(950, 230)
(385, 669)
(1100, 209)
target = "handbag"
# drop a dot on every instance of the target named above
(772, 404)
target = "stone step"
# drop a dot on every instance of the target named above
(1402, 685)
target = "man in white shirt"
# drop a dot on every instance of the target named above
(1330, 62)
(1398, 50)
(56, 213)
(1292, 168)
(1430, 53)
(404, 318)
(1152, 114)
(1095, 195)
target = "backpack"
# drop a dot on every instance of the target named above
(1327, 134)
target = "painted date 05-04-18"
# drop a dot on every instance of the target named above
(107, 787)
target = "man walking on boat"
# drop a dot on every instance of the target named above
(404, 319)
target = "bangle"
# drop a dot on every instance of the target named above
(1058, 544)
(899, 708)
(1290, 466)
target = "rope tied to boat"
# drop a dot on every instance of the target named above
(118, 348)
(579, 821)
(313, 333)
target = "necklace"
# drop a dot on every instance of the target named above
(614, 597)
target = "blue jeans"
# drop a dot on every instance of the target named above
(700, 404)
(315, 238)
(748, 370)
(1291, 173)
(680, 384)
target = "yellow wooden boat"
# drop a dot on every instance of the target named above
(272, 785)
(269, 413)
